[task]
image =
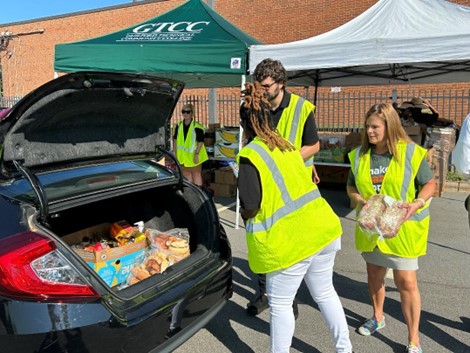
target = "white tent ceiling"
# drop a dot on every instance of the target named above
(394, 41)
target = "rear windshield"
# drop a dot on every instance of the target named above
(85, 180)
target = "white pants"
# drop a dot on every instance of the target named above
(282, 286)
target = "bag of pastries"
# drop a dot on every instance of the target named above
(382, 215)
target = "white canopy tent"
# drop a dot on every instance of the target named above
(394, 41)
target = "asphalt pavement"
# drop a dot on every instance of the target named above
(444, 282)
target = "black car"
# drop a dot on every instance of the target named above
(87, 150)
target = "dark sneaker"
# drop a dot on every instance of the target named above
(257, 306)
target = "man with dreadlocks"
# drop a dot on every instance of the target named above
(293, 117)
(292, 234)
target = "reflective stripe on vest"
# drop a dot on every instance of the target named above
(295, 126)
(290, 205)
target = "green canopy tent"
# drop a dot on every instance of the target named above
(191, 43)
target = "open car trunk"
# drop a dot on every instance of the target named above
(163, 209)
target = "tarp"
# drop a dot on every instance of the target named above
(394, 41)
(191, 43)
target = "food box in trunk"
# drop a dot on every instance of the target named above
(112, 263)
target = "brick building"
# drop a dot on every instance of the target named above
(27, 48)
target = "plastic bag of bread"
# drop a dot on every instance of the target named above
(154, 263)
(382, 215)
(174, 242)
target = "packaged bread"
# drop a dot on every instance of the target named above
(174, 242)
(391, 220)
(370, 212)
(382, 215)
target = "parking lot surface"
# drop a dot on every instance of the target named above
(444, 280)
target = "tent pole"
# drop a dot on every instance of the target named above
(316, 92)
(240, 141)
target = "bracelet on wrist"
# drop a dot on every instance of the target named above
(423, 202)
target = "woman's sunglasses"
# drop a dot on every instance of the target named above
(186, 112)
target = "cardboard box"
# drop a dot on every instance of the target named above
(213, 127)
(227, 135)
(332, 174)
(104, 255)
(113, 265)
(333, 155)
(438, 162)
(349, 140)
(415, 133)
(226, 150)
(116, 271)
(442, 139)
(331, 140)
(225, 176)
(224, 190)
(207, 177)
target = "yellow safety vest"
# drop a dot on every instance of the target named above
(398, 182)
(294, 220)
(186, 148)
(292, 122)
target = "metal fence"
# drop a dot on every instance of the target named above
(335, 111)
(338, 111)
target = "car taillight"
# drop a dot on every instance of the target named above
(32, 268)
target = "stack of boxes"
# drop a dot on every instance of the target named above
(335, 146)
(440, 144)
(225, 182)
(226, 142)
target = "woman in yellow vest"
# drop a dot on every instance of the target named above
(389, 163)
(291, 231)
(189, 146)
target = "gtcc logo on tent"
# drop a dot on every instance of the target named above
(169, 27)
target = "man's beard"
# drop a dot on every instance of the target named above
(271, 97)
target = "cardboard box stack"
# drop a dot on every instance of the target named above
(225, 182)
(226, 142)
(440, 144)
(415, 133)
(334, 146)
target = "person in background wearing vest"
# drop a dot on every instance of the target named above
(294, 119)
(189, 145)
(292, 233)
(389, 163)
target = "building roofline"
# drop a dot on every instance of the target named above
(80, 13)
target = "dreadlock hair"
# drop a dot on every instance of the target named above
(254, 114)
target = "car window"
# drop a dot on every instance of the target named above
(84, 180)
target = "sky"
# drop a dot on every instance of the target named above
(24, 10)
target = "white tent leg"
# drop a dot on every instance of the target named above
(240, 141)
